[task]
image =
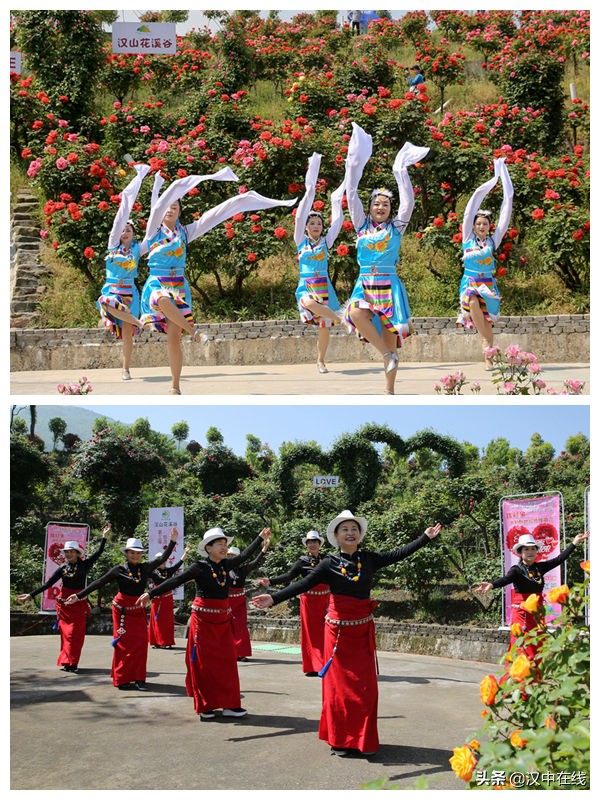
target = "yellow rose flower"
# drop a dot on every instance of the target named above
(559, 594)
(516, 629)
(474, 744)
(488, 689)
(484, 713)
(463, 762)
(550, 724)
(521, 668)
(517, 740)
(532, 603)
(585, 566)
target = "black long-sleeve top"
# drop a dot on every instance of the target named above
(74, 575)
(303, 566)
(159, 575)
(527, 580)
(329, 571)
(131, 579)
(237, 576)
(203, 573)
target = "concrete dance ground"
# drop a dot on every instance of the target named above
(350, 378)
(77, 732)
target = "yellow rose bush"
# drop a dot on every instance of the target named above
(536, 717)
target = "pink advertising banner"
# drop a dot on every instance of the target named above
(541, 516)
(57, 533)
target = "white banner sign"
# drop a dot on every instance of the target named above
(15, 61)
(144, 37)
(327, 481)
(160, 523)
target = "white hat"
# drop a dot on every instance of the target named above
(344, 517)
(313, 536)
(210, 536)
(526, 540)
(234, 550)
(72, 546)
(134, 544)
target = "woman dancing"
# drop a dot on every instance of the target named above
(119, 301)
(166, 297)
(479, 295)
(527, 578)
(378, 308)
(349, 712)
(315, 296)
(130, 628)
(237, 600)
(212, 676)
(313, 604)
(161, 631)
(71, 620)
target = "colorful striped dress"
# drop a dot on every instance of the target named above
(314, 281)
(119, 290)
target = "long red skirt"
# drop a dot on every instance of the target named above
(212, 676)
(71, 624)
(527, 621)
(130, 653)
(161, 630)
(349, 713)
(313, 607)
(237, 601)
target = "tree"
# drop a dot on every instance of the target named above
(214, 435)
(28, 468)
(180, 431)
(33, 418)
(58, 427)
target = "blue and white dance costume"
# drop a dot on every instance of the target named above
(120, 291)
(167, 249)
(478, 255)
(378, 287)
(314, 280)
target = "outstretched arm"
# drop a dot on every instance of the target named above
(128, 196)
(175, 192)
(359, 152)
(305, 205)
(474, 205)
(409, 154)
(337, 215)
(501, 171)
(249, 201)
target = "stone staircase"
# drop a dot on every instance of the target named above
(26, 269)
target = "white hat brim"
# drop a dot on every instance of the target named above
(343, 517)
(213, 538)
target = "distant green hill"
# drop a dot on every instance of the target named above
(79, 420)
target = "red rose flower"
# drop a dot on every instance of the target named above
(538, 213)
(280, 233)
(89, 252)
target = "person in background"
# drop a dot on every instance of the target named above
(415, 77)
(313, 604)
(161, 631)
(355, 20)
(130, 627)
(71, 620)
(237, 600)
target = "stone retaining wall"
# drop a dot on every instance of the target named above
(465, 643)
(553, 338)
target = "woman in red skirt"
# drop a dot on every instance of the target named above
(527, 578)
(349, 712)
(212, 675)
(313, 605)
(71, 620)
(130, 627)
(161, 631)
(237, 600)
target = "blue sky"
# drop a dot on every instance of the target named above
(289, 421)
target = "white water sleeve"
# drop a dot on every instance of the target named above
(359, 152)
(407, 155)
(310, 181)
(501, 171)
(249, 201)
(176, 191)
(128, 196)
(474, 205)
(337, 215)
